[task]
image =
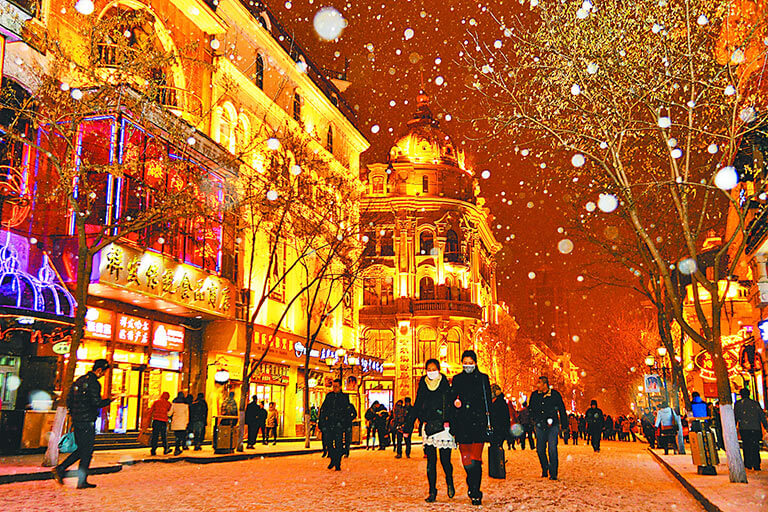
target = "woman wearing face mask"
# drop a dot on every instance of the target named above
(472, 401)
(434, 411)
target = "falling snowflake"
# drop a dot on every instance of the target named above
(578, 160)
(726, 178)
(607, 203)
(329, 23)
(565, 246)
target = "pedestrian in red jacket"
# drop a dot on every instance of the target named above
(158, 414)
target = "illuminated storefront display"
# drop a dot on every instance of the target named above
(168, 337)
(131, 329)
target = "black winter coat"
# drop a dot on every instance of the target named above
(500, 420)
(252, 413)
(471, 419)
(198, 411)
(84, 399)
(434, 405)
(548, 406)
(595, 419)
(336, 413)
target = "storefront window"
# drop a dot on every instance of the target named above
(271, 393)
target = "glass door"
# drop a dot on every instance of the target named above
(124, 409)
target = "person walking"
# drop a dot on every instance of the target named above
(179, 416)
(84, 402)
(380, 423)
(573, 426)
(198, 418)
(433, 410)
(312, 420)
(500, 421)
(594, 424)
(399, 417)
(252, 416)
(271, 423)
(472, 399)
(188, 398)
(527, 424)
(514, 419)
(370, 426)
(749, 419)
(548, 415)
(649, 431)
(333, 420)
(261, 422)
(347, 438)
(158, 414)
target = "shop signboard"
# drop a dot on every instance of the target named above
(269, 373)
(168, 337)
(98, 323)
(653, 384)
(131, 329)
(157, 276)
(703, 361)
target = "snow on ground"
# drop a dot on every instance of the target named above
(622, 477)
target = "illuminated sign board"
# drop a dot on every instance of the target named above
(168, 337)
(98, 323)
(131, 329)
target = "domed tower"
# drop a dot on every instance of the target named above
(429, 283)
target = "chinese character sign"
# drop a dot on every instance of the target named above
(98, 324)
(131, 329)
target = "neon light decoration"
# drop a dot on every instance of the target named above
(21, 290)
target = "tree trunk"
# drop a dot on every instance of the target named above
(245, 387)
(84, 265)
(305, 398)
(736, 471)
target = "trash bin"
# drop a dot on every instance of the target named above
(703, 449)
(356, 432)
(224, 434)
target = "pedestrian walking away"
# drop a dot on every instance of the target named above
(179, 416)
(500, 427)
(668, 424)
(370, 426)
(198, 419)
(433, 410)
(252, 417)
(399, 418)
(84, 402)
(749, 419)
(272, 422)
(158, 415)
(334, 419)
(548, 416)
(595, 423)
(525, 422)
(471, 391)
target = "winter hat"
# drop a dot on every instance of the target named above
(593, 402)
(469, 353)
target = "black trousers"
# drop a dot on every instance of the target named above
(445, 461)
(347, 440)
(750, 445)
(273, 432)
(403, 438)
(335, 446)
(594, 437)
(546, 446)
(383, 441)
(85, 435)
(253, 433)
(181, 437)
(159, 430)
(528, 432)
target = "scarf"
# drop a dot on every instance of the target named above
(433, 384)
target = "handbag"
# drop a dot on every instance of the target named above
(67, 443)
(432, 427)
(144, 438)
(496, 462)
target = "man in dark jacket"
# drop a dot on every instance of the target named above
(252, 416)
(335, 417)
(548, 416)
(84, 401)
(595, 421)
(198, 418)
(749, 417)
(524, 417)
(500, 421)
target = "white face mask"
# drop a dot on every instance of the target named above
(469, 368)
(433, 375)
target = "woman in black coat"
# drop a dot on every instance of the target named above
(500, 423)
(433, 409)
(472, 399)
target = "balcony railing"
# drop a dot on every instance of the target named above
(448, 307)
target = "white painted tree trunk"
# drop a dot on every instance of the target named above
(51, 457)
(736, 471)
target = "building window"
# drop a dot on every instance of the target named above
(378, 185)
(426, 345)
(297, 107)
(425, 184)
(451, 246)
(258, 74)
(329, 140)
(426, 242)
(387, 244)
(426, 288)
(370, 293)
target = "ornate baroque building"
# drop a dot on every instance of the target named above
(429, 284)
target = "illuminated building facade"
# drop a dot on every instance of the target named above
(165, 304)
(430, 283)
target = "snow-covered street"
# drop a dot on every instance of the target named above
(621, 477)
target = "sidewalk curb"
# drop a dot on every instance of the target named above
(48, 475)
(708, 505)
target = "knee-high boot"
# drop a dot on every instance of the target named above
(474, 478)
(432, 480)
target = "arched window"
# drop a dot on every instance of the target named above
(297, 107)
(258, 73)
(387, 291)
(426, 347)
(425, 184)
(227, 121)
(242, 134)
(426, 288)
(370, 293)
(426, 242)
(449, 288)
(387, 244)
(329, 140)
(451, 246)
